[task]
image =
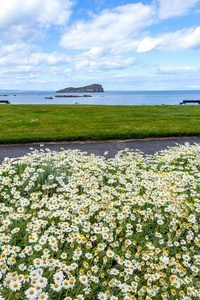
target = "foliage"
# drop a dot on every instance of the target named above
(75, 226)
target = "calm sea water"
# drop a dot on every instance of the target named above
(106, 98)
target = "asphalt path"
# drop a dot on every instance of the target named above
(148, 146)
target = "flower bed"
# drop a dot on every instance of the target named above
(78, 227)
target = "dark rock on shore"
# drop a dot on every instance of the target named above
(89, 89)
(72, 96)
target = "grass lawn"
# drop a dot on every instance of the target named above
(35, 123)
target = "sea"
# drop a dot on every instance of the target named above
(106, 98)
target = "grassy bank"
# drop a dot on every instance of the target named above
(35, 123)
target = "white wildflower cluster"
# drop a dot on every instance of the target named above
(75, 226)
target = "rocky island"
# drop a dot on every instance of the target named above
(97, 88)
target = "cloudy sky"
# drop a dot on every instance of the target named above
(121, 44)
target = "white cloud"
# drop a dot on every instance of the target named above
(188, 38)
(19, 72)
(14, 54)
(197, 86)
(98, 59)
(121, 30)
(152, 80)
(58, 71)
(103, 39)
(49, 58)
(24, 19)
(175, 8)
(15, 48)
(109, 29)
(106, 64)
(20, 54)
(30, 72)
(12, 59)
(175, 69)
(147, 44)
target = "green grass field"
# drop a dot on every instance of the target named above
(36, 123)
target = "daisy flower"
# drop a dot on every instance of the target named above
(57, 287)
(43, 296)
(31, 293)
(15, 285)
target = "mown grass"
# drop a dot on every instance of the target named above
(35, 123)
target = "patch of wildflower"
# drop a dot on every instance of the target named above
(75, 226)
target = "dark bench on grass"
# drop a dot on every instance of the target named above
(4, 101)
(190, 101)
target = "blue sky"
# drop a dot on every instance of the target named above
(121, 44)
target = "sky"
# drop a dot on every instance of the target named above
(120, 44)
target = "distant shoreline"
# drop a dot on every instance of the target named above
(106, 98)
(72, 96)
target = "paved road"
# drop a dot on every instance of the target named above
(149, 146)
